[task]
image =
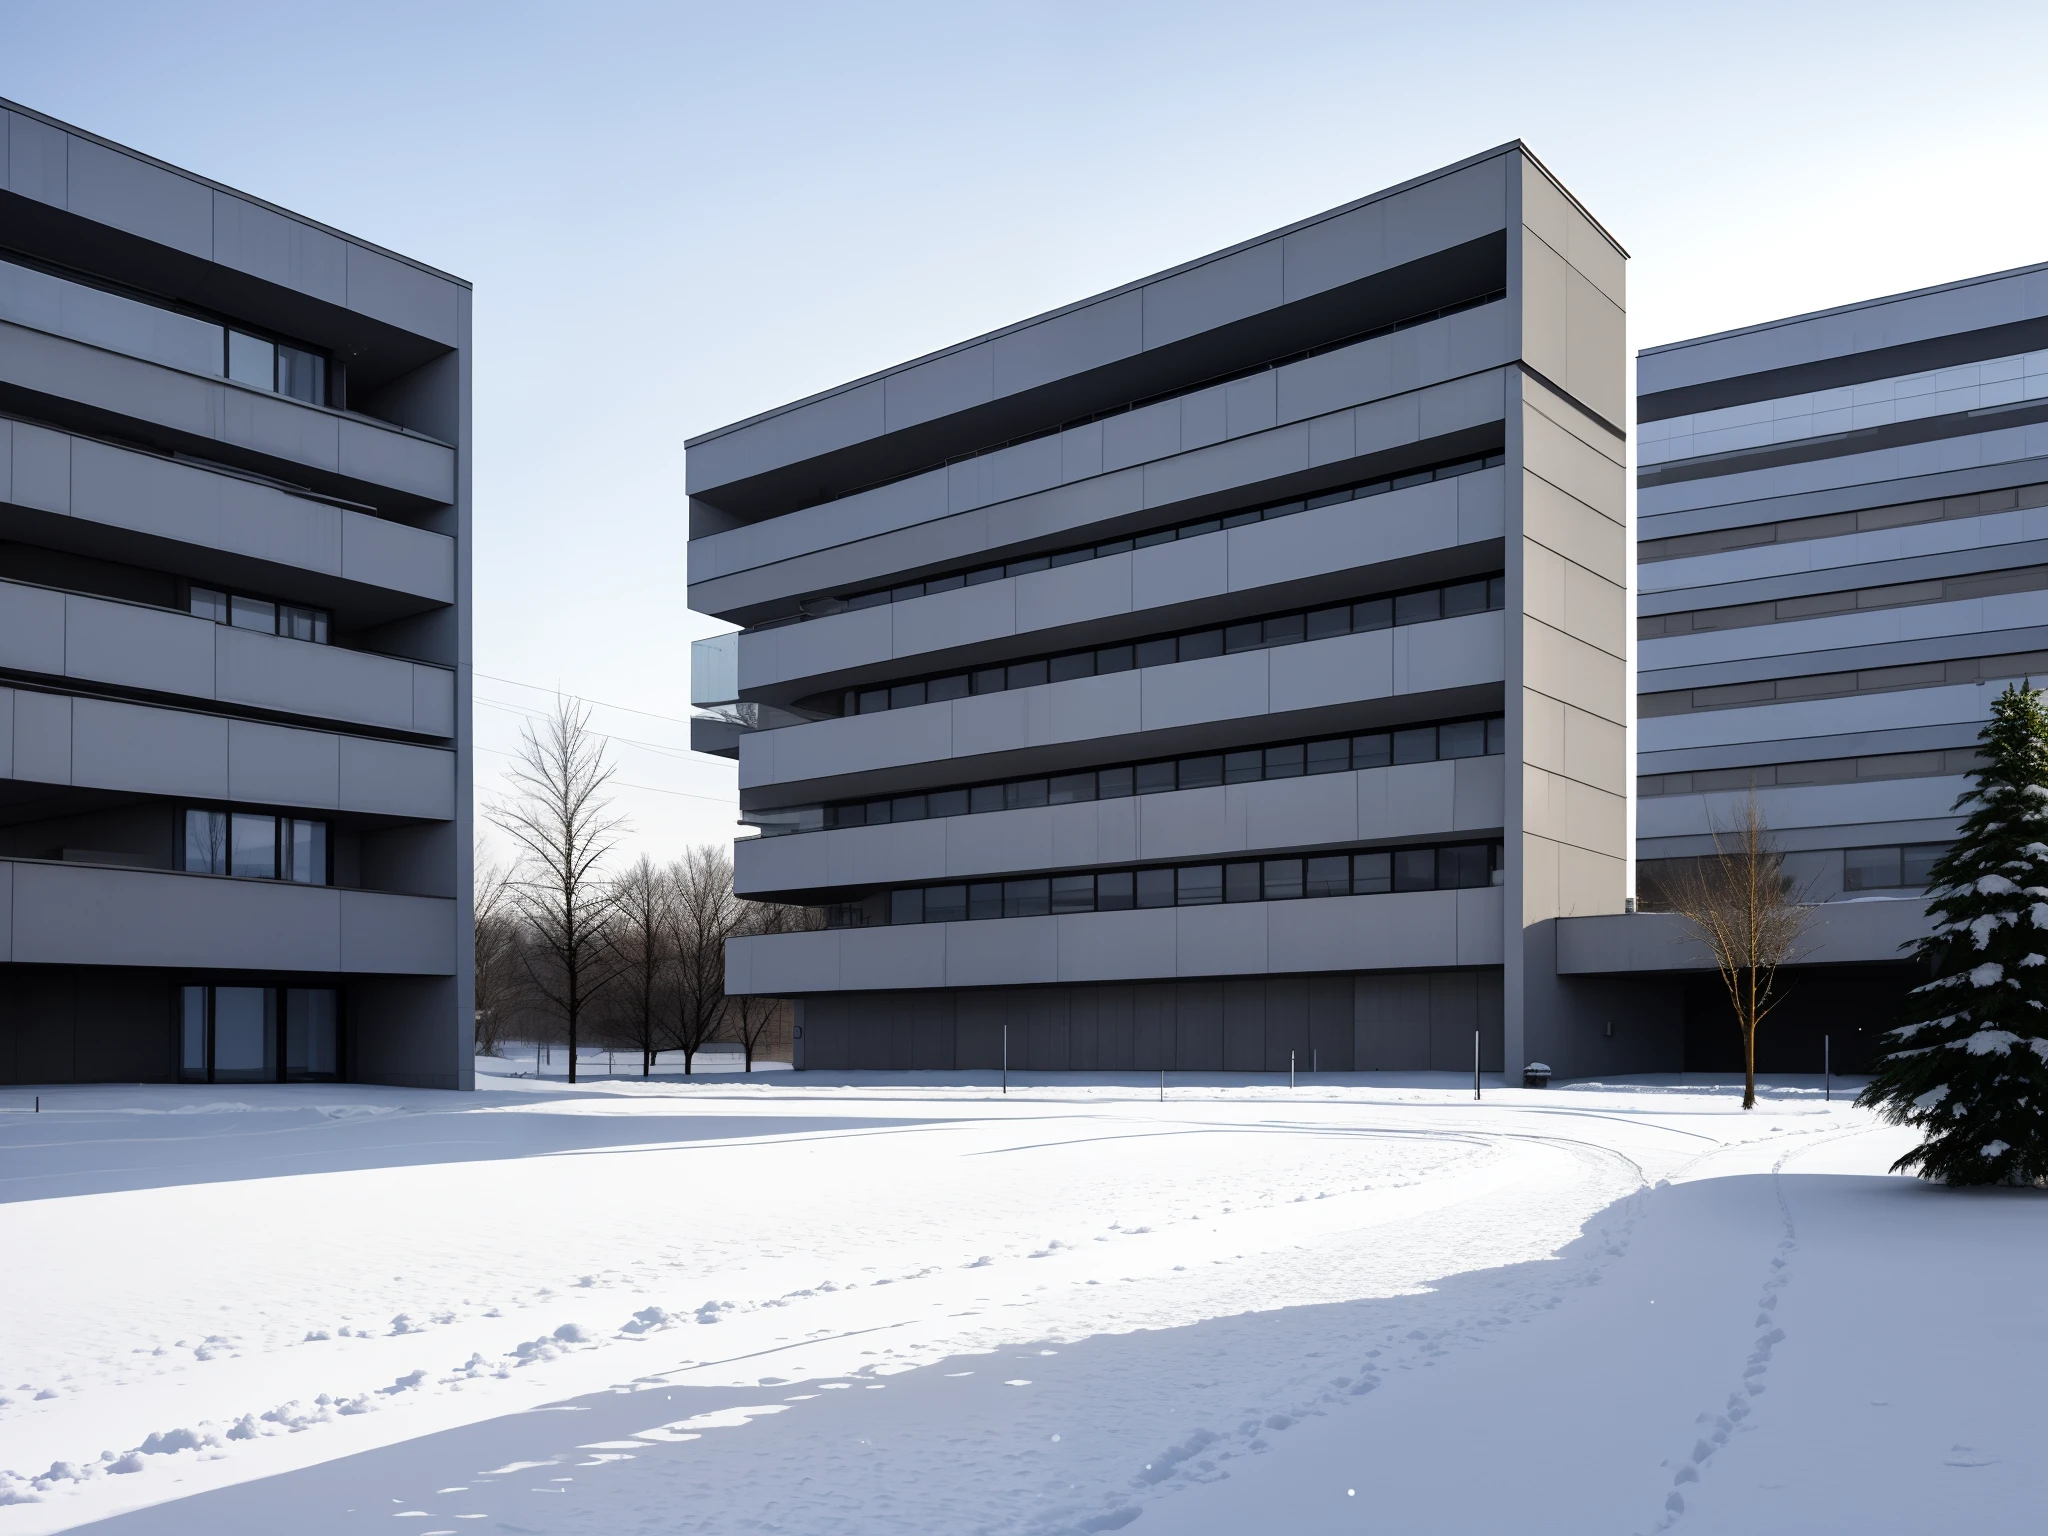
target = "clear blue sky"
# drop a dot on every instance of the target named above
(676, 215)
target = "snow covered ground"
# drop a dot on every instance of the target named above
(824, 1304)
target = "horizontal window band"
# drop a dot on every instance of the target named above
(1437, 741)
(1268, 512)
(1437, 867)
(1835, 685)
(1819, 605)
(1872, 768)
(1419, 606)
(1835, 525)
(1408, 322)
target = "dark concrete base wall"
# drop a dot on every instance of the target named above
(1411, 1021)
(1843, 1010)
(80, 1024)
(60, 1024)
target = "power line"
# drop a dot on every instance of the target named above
(540, 688)
(682, 753)
(651, 789)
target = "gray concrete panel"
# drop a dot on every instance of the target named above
(1212, 294)
(433, 700)
(149, 751)
(1073, 594)
(42, 737)
(937, 387)
(896, 957)
(128, 193)
(271, 672)
(398, 558)
(1222, 941)
(381, 933)
(281, 427)
(1346, 667)
(400, 294)
(38, 160)
(138, 647)
(1842, 933)
(1068, 343)
(278, 765)
(1304, 813)
(1012, 952)
(1479, 794)
(289, 252)
(383, 455)
(1180, 572)
(969, 847)
(1118, 946)
(31, 629)
(71, 914)
(1195, 692)
(1081, 452)
(40, 468)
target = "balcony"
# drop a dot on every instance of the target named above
(1410, 931)
(75, 914)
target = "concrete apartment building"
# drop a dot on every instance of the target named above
(1228, 668)
(234, 628)
(1843, 554)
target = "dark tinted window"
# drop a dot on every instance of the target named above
(1027, 674)
(1467, 738)
(1200, 885)
(1286, 630)
(1027, 898)
(1459, 869)
(1020, 794)
(985, 900)
(1113, 892)
(1244, 767)
(906, 906)
(1329, 756)
(1325, 622)
(1073, 893)
(1374, 751)
(1244, 637)
(1113, 783)
(1155, 888)
(947, 802)
(1066, 668)
(1466, 597)
(1200, 772)
(1418, 607)
(1415, 869)
(945, 904)
(1283, 879)
(1113, 658)
(1155, 778)
(1157, 653)
(1415, 745)
(1372, 873)
(1377, 614)
(1329, 875)
(874, 700)
(1201, 645)
(989, 680)
(903, 695)
(1496, 735)
(939, 689)
(1240, 882)
(1284, 762)
(907, 808)
(987, 797)
(1070, 788)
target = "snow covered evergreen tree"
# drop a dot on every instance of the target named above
(1969, 1068)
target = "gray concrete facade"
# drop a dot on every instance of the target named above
(235, 750)
(1230, 664)
(1842, 559)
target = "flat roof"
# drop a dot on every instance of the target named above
(218, 186)
(1327, 214)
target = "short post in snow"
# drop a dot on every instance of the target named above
(1827, 1069)
(1006, 1058)
(1162, 1085)
(1290, 1069)
(1475, 1063)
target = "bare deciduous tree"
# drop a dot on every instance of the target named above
(561, 820)
(497, 946)
(1741, 904)
(748, 1018)
(705, 913)
(641, 939)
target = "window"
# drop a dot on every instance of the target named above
(1876, 869)
(1167, 650)
(257, 1034)
(1156, 537)
(272, 365)
(1339, 754)
(241, 610)
(254, 845)
(1456, 866)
